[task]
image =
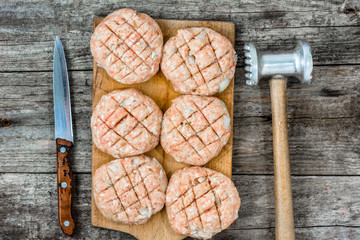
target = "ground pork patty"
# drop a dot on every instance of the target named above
(126, 123)
(195, 129)
(128, 45)
(201, 202)
(199, 61)
(130, 190)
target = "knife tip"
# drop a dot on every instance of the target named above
(57, 41)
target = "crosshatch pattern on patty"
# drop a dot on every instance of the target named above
(126, 123)
(199, 61)
(130, 190)
(195, 129)
(128, 45)
(201, 202)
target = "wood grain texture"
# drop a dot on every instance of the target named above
(323, 118)
(65, 186)
(162, 92)
(28, 28)
(324, 208)
(284, 217)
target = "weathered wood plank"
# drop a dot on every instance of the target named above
(309, 233)
(323, 120)
(28, 30)
(324, 117)
(164, 6)
(29, 201)
(333, 93)
(317, 146)
(323, 124)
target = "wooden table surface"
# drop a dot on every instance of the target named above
(324, 117)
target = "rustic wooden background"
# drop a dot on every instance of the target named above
(324, 117)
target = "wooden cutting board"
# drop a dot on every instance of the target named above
(161, 90)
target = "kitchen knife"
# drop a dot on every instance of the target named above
(64, 138)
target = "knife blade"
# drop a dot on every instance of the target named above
(64, 138)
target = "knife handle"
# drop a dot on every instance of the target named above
(65, 185)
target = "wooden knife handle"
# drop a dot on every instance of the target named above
(65, 185)
(284, 217)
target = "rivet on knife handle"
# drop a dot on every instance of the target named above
(65, 185)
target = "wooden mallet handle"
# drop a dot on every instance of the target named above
(284, 217)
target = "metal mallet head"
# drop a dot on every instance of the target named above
(297, 63)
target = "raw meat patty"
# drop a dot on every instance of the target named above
(126, 123)
(128, 45)
(130, 190)
(195, 129)
(199, 61)
(201, 202)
